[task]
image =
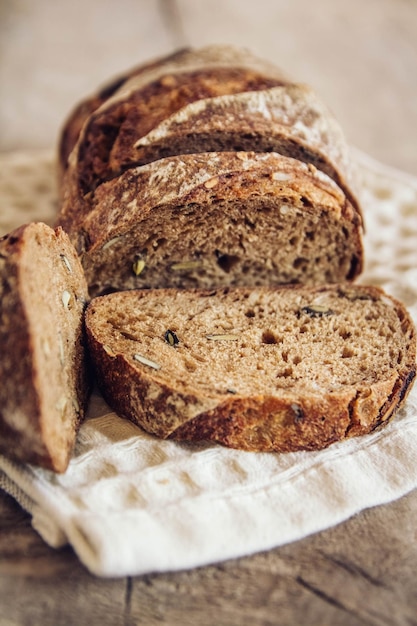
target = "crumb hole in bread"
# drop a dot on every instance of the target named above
(226, 261)
(268, 336)
(161, 241)
(347, 353)
(306, 202)
(344, 333)
(250, 313)
(249, 223)
(353, 267)
(285, 373)
(299, 262)
(297, 359)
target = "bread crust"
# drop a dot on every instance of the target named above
(76, 119)
(278, 420)
(288, 119)
(120, 120)
(151, 92)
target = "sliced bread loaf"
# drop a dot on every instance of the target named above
(196, 102)
(218, 219)
(44, 379)
(262, 369)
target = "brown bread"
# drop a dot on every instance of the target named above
(289, 119)
(218, 219)
(43, 373)
(259, 369)
(197, 102)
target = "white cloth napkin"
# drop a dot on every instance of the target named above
(130, 503)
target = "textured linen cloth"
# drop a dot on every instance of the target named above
(130, 503)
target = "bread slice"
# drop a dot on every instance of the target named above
(289, 119)
(218, 219)
(259, 369)
(44, 378)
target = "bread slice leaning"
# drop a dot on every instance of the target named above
(259, 369)
(43, 373)
(219, 219)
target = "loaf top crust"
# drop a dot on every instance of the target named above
(44, 380)
(289, 119)
(207, 100)
(261, 369)
(205, 178)
(72, 126)
(192, 60)
(163, 68)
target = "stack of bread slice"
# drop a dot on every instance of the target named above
(213, 208)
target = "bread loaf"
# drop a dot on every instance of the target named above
(43, 373)
(259, 369)
(218, 219)
(211, 168)
(216, 98)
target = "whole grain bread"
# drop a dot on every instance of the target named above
(200, 101)
(259, 369)
(217, 219)
(43, 372)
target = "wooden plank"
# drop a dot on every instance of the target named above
(359, 573)
(41, 586)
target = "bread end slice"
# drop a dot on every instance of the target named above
(43, 372)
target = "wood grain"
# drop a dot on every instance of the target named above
(359, 573)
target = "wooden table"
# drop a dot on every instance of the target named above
(362, 58)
